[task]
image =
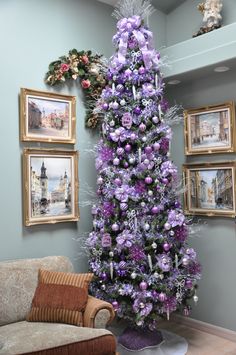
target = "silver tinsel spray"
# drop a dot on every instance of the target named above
(129, 8)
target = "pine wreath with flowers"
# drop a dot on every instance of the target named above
(90, 69)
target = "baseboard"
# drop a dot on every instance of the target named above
(205, 327)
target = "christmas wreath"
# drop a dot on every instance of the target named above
(90, 69)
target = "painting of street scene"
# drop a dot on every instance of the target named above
(51, 186)
(212, 189)
(48, 117)
(210, 130)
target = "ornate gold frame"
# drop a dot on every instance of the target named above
(189, 150)
(27, 137)
(28, 219)
(188, 209)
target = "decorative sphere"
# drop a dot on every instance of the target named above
(111, 254)
(118, 181)
(123, 206)
(148, 150)
(126, 164)
(146, 226)
(172, 233)
(185, 261)
(122, 102)
(120, 151)
(133, 275)
(162, 297)
(103, 276)
(189, 283)
(195, 298)
(112, 123)
(131, 160)
(144, 139)
(120, 88)
(128, 148)
(100, 180)
(143, 285)
(115, 227)
(142, 70)
(105, 106)
(115, 105)
(156, 146)
(143, 204)
(141, 305)
(142, 127)
(155, 210)
(154, 245)
(177, 204)
(146, 161)
(133, 136)
(103, 287)
(166, 246)
(161, 276)
(156, 275)
(150, 193)
(167, 226)
(122, 264)
(148, 180)
(155, 119)
(115, 305)
(137, 110)
(116, 161)
(165, 181)
(117, 132)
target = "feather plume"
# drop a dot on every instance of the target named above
(129, 8)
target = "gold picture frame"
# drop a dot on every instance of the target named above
(50, 186)
(210, 130)
(47, 117)
(210, 189)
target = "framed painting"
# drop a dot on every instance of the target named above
(50, 186)
(210, 130)
(210, 189)
(47, 117)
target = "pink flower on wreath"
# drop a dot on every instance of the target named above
(64, 67)
(85, 59)
(85, 84)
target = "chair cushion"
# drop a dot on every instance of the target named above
(19, 279)
(24, 338)
(58, 304)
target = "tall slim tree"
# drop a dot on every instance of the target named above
(138, 248)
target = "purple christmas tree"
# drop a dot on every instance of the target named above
(138, 248)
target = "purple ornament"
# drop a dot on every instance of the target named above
(103, 276)
(105, 106)
(120, 151)
(137, 110)
(167, 226)
(177, 204)
(156, 146)
(106, 240)
(166, 246)
(122, 264)
(100, 180)
(126, 164)
(118, 181)
(120, 88)
(127, 120)
(148, 180)
(115, 227)
(155, 210)
(148, 150)
(115, 305)
(162, 297)
(155, 119)
(116, 161)
(128, 148)
(123, 206)
(142, 70)
(189, 283)
(133, 136)
(186, 311)
(142, 127)
(165, 181)
(143, 285)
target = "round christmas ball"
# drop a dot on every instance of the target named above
(120, 151)
(144, 139)
(155, 210)
(100, 180)
(162, 297)
(131, 161)
(133, 136)
(128, 148)
(195, 298)
(126, 164)
(154, 245)
(143, 204)
(156, 146)
(166, 246)
(103, 287)
(137, 110)
(189, 284)
(115, 227)
(142, 127)
(133, 275)
(165, 181)
(146, 226)
(167, 226)
(150, 193)
(123, 206)
(141, 305)
(148, 150)
(111, 254)
(118, 181)
(116, 161)
(142, 70)
(103, 276)
(148, 180)
(122, 102)
(143, 285)
(115, 105)
(115, 305)
(120, 88)
(155, 119)
(105, 106)
(185, 261)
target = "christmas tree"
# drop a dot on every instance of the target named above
(138, 248)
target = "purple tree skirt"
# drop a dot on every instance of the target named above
(136, 340)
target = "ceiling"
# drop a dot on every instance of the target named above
(165, 6)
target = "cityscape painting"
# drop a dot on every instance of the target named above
(51, 186)
(47, 117)
(210, 130)
(210, 189)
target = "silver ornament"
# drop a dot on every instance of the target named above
(143, 204)
(131, 160)
(185, 261)
(141, 305)
(111, 254)
(112, 123)
(161, 277)
(133, 275)
(154, 245)
(144, 139)
(146, 226)
(123, 102)
(156, 275)
(195, 298)
(103, 287)
(150, 193)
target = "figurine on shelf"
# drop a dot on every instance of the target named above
(211, 16)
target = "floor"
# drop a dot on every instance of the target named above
(201, 343)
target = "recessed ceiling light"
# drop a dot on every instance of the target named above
(174, 82)
(221, 69)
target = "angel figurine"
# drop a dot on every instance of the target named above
(211, 11)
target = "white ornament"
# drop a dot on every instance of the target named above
(143, 204)
(156, 275)
(161, 277)
(122, 102)
(111, 254)
(150, 193)
(146, 226)
(144, 139)
(133, 275)
(141, 305)
(195, 298)
(154, 245)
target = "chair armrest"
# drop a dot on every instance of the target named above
(98, 313)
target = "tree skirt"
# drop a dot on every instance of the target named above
(172, 344)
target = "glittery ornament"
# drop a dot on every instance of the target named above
(115, 105)
(120, 151)
(189, 284)
(105, 106)
(123, 206)
(150, 193)
(156, 146)
(116, 161)
(148, 150)
(148, 180)
(185, 261)
(115, 305)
